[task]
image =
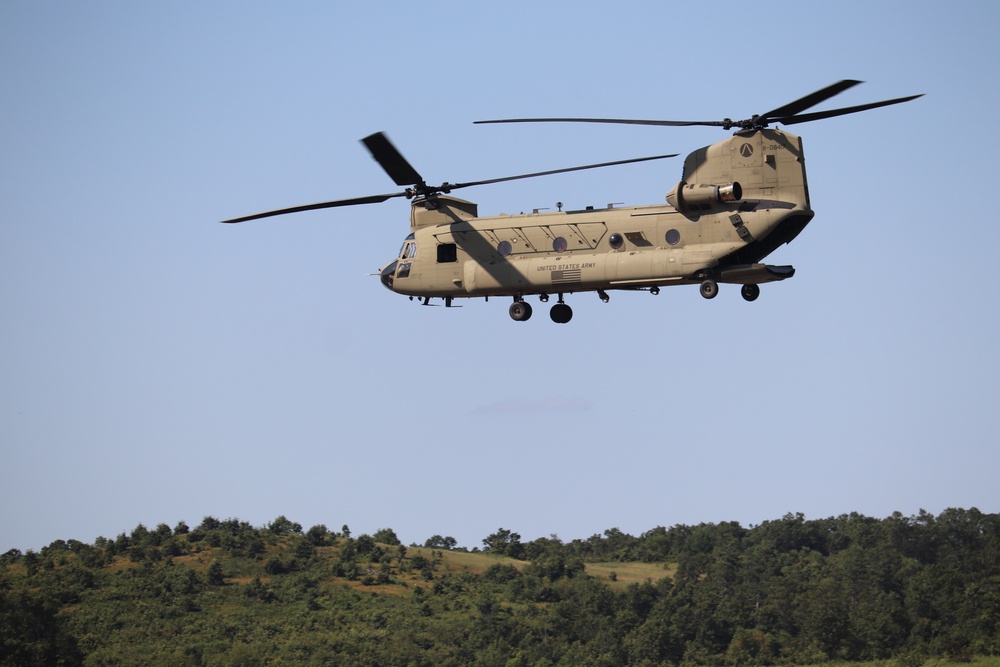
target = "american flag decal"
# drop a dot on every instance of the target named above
(567, 276)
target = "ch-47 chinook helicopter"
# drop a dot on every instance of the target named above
(738, 200)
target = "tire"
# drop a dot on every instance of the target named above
(561, 313)
(520, 311)
(750, 292)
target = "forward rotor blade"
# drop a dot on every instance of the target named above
(372, 199)
(811, 100)
(448, 186)
(430, 192)
(820, 115)
(618, 121)
(392, 161)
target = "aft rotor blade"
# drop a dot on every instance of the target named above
(399, 170)
(618, 121)
(820, 115)
(372, 199)
(448, 186)
(808, 101)
(789, 114)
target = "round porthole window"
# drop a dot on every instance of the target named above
(559, 244)
(673, 237)
(504, 248)
(616, 241)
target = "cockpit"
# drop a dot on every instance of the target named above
(409, 248)
(399, 267)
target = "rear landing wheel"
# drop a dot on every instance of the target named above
(520, 311)
(709, 289)
(750, 292)
(561, 313)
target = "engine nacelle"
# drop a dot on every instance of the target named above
(693, 199)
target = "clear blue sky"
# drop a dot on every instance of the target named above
(157, 366)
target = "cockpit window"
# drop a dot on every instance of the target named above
(408, 250)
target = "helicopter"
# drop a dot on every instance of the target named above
(738, 200)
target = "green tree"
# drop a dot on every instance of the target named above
(210, 523)
(283, 526)
(141, 536)
(215, 575)
(161, 534)
(438, 542)
(32, 634)
(505, 543)
(303, 548)
(318, 535)
(386, 536)
(364, 545)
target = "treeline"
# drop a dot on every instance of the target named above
(789, 591)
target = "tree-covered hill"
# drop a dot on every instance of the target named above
(789, 591)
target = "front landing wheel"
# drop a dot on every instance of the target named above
(709, 289)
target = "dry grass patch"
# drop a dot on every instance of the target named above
(619, 575)
(456, 562)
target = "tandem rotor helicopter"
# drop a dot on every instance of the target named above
(737, 201)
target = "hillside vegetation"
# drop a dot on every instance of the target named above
(789, 591)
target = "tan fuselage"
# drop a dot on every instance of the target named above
(702, 232)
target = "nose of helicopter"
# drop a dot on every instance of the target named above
(387, 273)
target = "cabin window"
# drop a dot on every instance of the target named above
(504, 248)
(673, 237)
(559, 244)
(616, 241)
(447, 252)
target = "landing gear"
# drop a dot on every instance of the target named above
(561, 313)
(520, 311)
(750, 292)
(604, 295)
(709, 288)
